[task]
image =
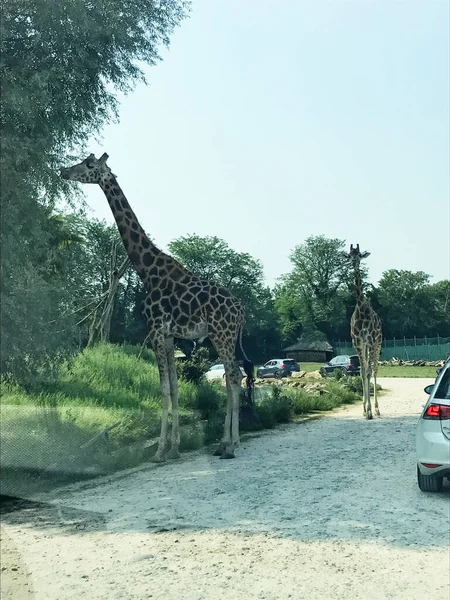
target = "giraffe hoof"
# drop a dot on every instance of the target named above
(369, 416)
(220, 450)
(173, 453)
(227, 455)
(158, 458)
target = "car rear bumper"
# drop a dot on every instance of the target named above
(432, 448)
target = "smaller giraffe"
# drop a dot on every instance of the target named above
(366, 334)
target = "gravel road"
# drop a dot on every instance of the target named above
(326, 509)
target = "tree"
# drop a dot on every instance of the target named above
(411, 306)
(440, 297)
(60, 65)
(211, 258)
(317, 294)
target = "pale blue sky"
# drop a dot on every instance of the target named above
(272, 120)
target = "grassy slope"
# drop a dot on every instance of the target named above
(100, 387)
(109, 383)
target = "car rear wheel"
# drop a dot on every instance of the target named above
(279, 374)
(429, 483)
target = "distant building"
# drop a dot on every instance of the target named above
(309, 351)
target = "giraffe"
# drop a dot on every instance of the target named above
(177, 305)
(366, 334)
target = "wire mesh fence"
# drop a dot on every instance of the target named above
(425, 348)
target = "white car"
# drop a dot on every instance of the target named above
(433, 434)
(218, 372)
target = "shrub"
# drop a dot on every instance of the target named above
(208, 398)
(194, 369)
(275, 408)
(266, 413)
(283, 406)
(354, 384)
(338, 375)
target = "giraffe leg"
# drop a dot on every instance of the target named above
(363, 381)
(234, 378)
(377, 410)
(174, 451)
(226, 438)
(375, 355)
(161, 357)
(368, 373)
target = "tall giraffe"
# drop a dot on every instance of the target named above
(178, 305)
(365, 326)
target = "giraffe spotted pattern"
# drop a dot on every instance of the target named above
(178, 305)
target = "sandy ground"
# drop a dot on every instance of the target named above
(326, 509)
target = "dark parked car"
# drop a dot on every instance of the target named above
(348, 365)
(278, 367)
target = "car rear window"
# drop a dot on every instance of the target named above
(354, 360)
(289, 362)
(443, 391)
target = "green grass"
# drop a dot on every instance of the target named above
(384, 370)
(50, 423)
(336, 395)
(310, 366)
(406, 371)
(96, 389)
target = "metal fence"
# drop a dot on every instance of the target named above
(405, 348)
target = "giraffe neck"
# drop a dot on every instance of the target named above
(360, 299)
(141, 251)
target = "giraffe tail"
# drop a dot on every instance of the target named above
(249, 371)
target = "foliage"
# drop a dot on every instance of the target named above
(336, 394)
(338, 375)
(354, 384)
(410, 305)
(195, 368)
(315, 295)
(60, 66)
(275, 408)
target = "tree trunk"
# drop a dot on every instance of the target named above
(100, 328)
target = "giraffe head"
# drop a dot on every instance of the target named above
(90, 170)
(356, 256)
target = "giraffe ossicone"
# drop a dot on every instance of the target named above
(177, 305)
(366, 332)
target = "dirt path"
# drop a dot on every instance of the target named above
(327, 509)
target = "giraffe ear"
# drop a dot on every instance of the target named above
(365, 254)
(103, 158)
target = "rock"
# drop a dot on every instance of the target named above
(314, 375)
(298, 374)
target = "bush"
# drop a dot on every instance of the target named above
(336, 394)
(338, 375)
(194, 370)
(266, 414)
(208, 399)
(276, 408)
(354, 384)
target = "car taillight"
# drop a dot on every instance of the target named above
(283, 366)
(437, 411)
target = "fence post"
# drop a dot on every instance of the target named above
(415, 347)
(438, 339)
